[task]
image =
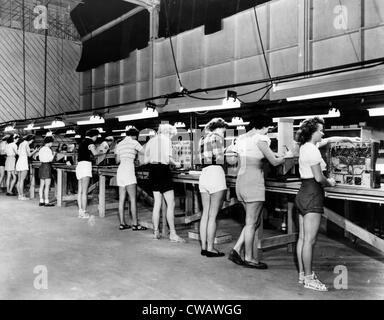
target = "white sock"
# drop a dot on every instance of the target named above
(46, 201)
(41, 200)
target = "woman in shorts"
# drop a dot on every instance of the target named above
(10, 163)
(22, 164)
(252, 148)
(159, 155)
(46, 156)
(126, 152)
(212, 183)
(86, 151)
(310, 198)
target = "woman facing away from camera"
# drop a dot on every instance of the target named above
(310, 198)
(22, 164)
(212, 183)
(126, 152)
(86, 151)
(3, 157)
(46, 156)
(10, 163)
(251, 149)
(159, 155)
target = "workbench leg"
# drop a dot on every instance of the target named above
(290, 224)
(347, 215)
(164, 228)
(59, 190)
(32, 183)
(65, 183)
(101, 196)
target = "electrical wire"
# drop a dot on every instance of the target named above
(170, 41)
(261, 43)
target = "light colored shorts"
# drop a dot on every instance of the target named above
(10, 163)
(83, 169)
(212, 179)
(126, 173)
(22, 164)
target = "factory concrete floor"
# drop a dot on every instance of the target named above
(94, 260)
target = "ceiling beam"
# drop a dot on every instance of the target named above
(145, 3)
(111, 24)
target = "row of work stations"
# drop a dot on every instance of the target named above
(352, 207)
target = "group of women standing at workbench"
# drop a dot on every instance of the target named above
(14, 164)
(250, 150)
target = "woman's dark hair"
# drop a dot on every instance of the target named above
(307, 128)
(48, 139)
(260, 121)
(92, 132)
(132, 132)
(10, 139)
(29, 137)
(215, 123)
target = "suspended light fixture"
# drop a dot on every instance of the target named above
(95, 119)
(49, 134)
(227, 103)
(77, 136)
(31, 127)
(230, 102)
(55, 124)
(237, 121)
(145, 114)
(376, 112)
(123, 134)
(333, 113)
(9, 128)
(101, 130)
(69, 132)
(179, 125)
(240, 128)
(337, 93)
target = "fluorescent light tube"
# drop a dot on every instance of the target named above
(92, 120)
(229, 103)
(55, 124)
(145, 114)
(331, 114)
(376, 112)
(374, 88)
(31, 127)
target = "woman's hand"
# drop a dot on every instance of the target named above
(331, 182)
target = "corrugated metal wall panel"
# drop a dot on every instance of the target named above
(63, 93)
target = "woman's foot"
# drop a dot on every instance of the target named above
(255, 264)
(214, 254)
(124, 227)
(311, 282)
(235, 257)
(156, 235)
(175, 238)
(41, 204)
(83, 214)
(301, 277)
(203, 252)
(138, 227)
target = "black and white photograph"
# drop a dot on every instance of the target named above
(192, 155)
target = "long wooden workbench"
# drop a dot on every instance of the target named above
(345, 193)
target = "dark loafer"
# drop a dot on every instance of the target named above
(49, 205)
(235, 257)
(203, 252)
(259, 265)
(210, 254)
(41, 204)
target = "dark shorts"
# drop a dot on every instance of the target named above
(310, 197)
(3, 157)
(45, 171)
(160, 178)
